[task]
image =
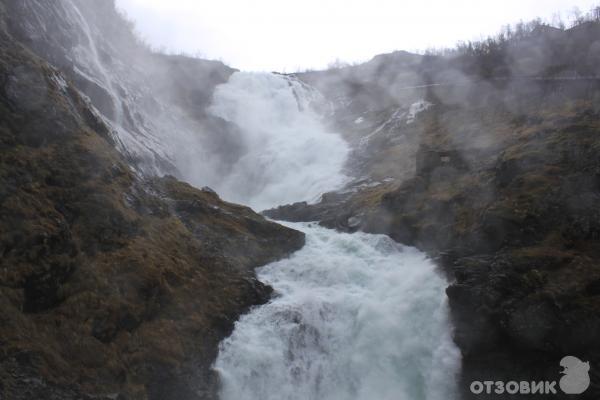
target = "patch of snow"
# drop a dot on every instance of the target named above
(389, 123)
(415, 109)
(359, 120)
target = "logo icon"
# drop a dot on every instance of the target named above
(576, 379)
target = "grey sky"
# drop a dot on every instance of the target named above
(283, 35)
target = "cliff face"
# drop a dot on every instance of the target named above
(498, 179)
(112, 285)
(154, 104)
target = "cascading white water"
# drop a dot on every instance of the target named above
(290, 156)
(89, 58)
(281, 153)
(355, 317)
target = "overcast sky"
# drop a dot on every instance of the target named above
(284, 35)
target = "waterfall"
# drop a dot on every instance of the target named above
(289, 154)
(355, 317)
(139, 130)
(262, 143)
(87, 54)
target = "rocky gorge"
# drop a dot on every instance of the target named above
(118, 280)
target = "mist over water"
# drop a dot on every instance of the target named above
(289, 155)
(355, 316)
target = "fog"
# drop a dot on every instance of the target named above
(284, 36)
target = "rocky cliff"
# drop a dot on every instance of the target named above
(113, 284)
(154, 104)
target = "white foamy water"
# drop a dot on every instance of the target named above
(289, 156)
(355, 316)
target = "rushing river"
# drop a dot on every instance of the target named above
(355, 316)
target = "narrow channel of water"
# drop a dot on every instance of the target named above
(355, 316)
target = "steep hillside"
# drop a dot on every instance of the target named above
(498, 179)
(111, 285)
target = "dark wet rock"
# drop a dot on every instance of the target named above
(297, 212)
(98, 95)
